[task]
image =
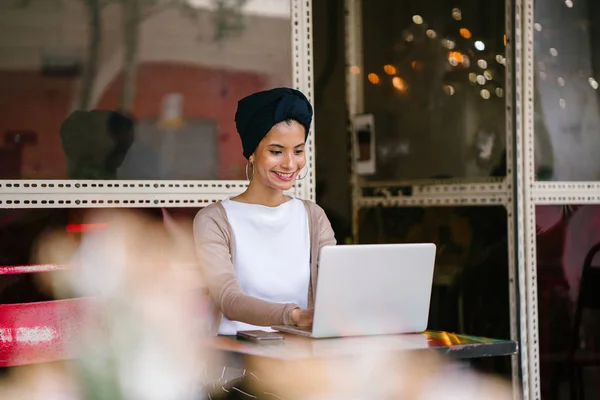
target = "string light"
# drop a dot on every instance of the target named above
(449, 90)
(553, 52)
(538, 27)
(455, 57)
(593, 83)
(456, 14)
(390, 69)
(355, 70)
(449, 44)
(569, 3)
(561, 81)
(399, 84)
(464, 32)
(416, 65)
(373, 78)
(562, 103)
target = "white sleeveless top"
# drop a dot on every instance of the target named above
(272, 254)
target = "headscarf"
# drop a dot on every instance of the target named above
(258, 113)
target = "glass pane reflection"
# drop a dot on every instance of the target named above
(567, 115)
(434, 82)
(175, 79)
(470, 288)
(566, 236)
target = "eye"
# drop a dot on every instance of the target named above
(276, 152)
(299, 151)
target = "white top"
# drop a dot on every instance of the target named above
(272, 254)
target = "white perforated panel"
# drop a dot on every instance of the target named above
(527, 251)
(86, 200)
(68, 187)
(464, 199)
(566, 192)
(539, 193)
(303, 80)
(513, 88)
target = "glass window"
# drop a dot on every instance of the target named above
(163, 85)
(470, 284)
(567, 113)
(433, 81)
(568, 302)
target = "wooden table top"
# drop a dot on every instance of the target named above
(298, 347)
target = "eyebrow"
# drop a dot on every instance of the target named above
(282, 147)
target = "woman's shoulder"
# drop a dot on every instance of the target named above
(212, 209)
(211, 214)
(312, 207)
(315, 212)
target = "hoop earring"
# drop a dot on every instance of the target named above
(299, 179)
(249, 162)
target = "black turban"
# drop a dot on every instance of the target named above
(259, 112)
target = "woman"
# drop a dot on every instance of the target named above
(259, 250)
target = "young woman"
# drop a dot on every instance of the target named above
(259, 250)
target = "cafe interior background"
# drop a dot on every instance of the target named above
(473, 125)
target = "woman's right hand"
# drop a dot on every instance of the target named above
(302, 317)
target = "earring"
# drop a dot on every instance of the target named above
(247, 177)
(299, 179)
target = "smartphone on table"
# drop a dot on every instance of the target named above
(259, 336)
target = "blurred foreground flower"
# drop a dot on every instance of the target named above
(148, 342)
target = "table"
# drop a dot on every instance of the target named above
(457, 346)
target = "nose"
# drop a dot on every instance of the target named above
(288, 162)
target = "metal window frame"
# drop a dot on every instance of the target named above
(459, 192)
(538, 193)
(26, 193)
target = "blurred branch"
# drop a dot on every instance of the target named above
(228, 18)
(94, 10)
(131, 33)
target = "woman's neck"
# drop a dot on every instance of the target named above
(259, 194)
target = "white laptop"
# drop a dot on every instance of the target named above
(371, 290)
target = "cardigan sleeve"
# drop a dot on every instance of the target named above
(326, 234)
(216, 262)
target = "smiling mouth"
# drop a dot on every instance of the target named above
(284, 176)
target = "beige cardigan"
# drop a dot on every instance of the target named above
(215, 246)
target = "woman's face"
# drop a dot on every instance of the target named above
(280, 156)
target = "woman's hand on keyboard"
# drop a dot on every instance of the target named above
(302, 317)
